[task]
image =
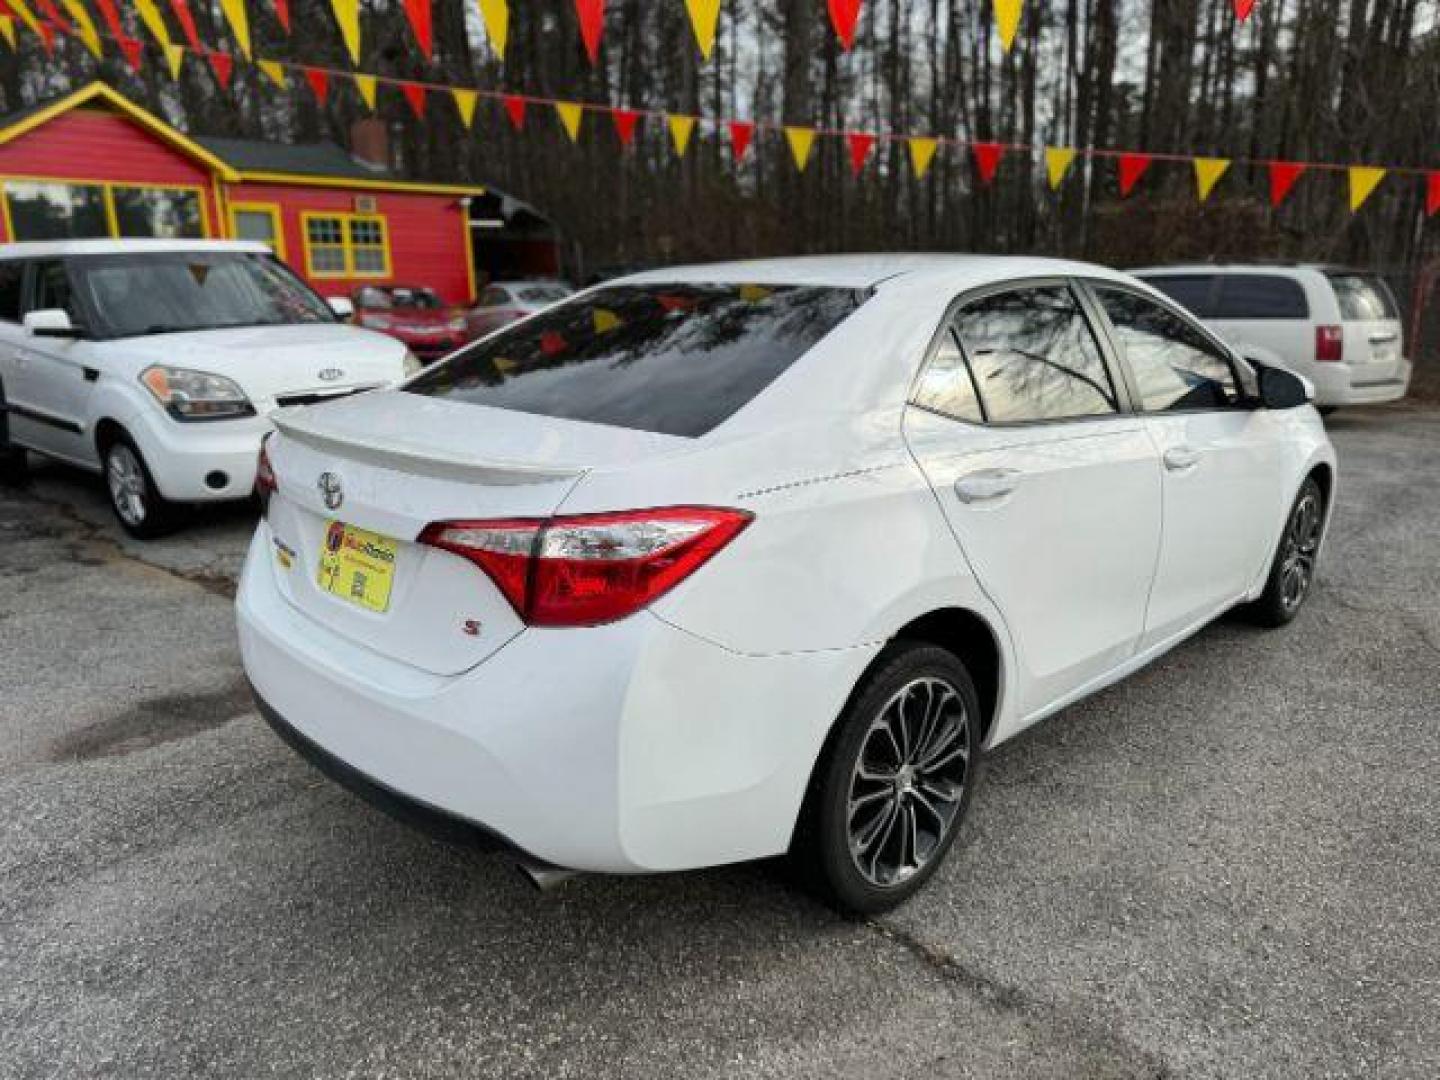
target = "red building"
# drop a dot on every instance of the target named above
(94, 164)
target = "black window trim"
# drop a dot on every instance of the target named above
(24, 264)
(1125, 398)
(1088, 285)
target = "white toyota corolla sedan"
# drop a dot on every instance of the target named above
(719, 563)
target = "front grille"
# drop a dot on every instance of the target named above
(314, 397)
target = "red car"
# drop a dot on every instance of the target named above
(414, 314)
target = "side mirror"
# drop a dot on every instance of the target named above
(50, 323)
(342, 306)
(1281, 389)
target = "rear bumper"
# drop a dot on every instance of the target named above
(1346, 384)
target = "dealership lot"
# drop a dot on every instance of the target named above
(1224, 866)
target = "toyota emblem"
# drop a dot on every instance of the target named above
(330, 490)
(330, 374)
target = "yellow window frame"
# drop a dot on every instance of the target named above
(108, 188)
(270, 210)
(347, 245)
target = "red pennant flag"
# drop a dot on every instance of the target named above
(844, 14)
(592, 22)
(625, 121)
(860, 145)
(1432, 193)
(111, 17)
(47, 37)
(987, 159)
(415, 95)
(552, 342)
(1132, 167)
(740, 135)
(134, 53)
(223, 65)
(418, 11)
(515, 109)
(282, 12)
(181, 8)
(49, 11)
(1243, 8)
(319, 84)
(1283, 175)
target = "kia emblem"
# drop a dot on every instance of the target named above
(330, 490)
(330, 374)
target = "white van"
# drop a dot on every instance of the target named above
(158, 362)
(1339, 328)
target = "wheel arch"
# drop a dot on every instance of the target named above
(108, 432)
(974, 641)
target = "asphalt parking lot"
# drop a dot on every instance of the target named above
(1225, 866)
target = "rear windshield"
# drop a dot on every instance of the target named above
(1191, 291)
(1261, 296)
(1363, 297)
(675, 359)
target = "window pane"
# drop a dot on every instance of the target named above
(1261, 296)
(946, 386)
(366, 231)
(52, 289)
(1034, 357)
(40, 211)
(327, 260)
(255, 225)
(369, 261)
(676, 359)
(158, 212)
(1190, 291)
(1175, 365)
(324, 231)
(1363, 298)
(12, 279)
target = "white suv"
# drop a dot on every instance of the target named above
(158, 363)
(1339, 328)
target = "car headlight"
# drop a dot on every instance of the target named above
(412, 364)
(196, 395)
(457, 323)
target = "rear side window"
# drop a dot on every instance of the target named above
(12, 282)
(1194, 292)
(677, 359)
(1260, 296)
(1363, 297)
(947, 387)
(1034, 357)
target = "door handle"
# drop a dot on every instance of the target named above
(986, 485)
(1381, 339)
(1180, 458)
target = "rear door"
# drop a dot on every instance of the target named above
(1050, 485)
(1370, 322)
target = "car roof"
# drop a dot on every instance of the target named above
(1242, 268)
(51, 249)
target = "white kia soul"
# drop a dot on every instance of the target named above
(158, 362)
(715, 564)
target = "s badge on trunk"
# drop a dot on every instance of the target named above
(330, 490)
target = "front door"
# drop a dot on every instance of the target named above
(54, 380)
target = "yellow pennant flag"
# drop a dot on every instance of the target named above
(365, 86)
(174, 59)
(85, 27)
(347, 15)
(239, 22)
(922, 153)
(1208, 171)
(155, 23)
(681, 127)
(26, 16)
(1363, 180)
(1057, 164)
(1007, 18)
(704, 15)
(570, 115)
(7, 31)
(496, 14)
(272, 70)
(465, 101)
(606, 320)
(801, 139)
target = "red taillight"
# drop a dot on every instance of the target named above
(265, 482)
(1329, 344)
(588, 569)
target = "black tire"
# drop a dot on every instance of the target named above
(829, 849)
(14, 466)
(1292, 572)
(138, 505)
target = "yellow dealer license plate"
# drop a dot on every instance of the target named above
(358, 565)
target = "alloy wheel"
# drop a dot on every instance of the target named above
(1297, 556)
(126, 479)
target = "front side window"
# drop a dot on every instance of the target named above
(12, 287)
(1176, 366)
(346, 245)
(51, 289)
(1034, 357)
(47, 211)
(163, 213)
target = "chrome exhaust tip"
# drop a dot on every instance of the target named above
(543, 876)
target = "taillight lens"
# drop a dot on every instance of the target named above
(1329, 344)
(588, 569)
(265, 482)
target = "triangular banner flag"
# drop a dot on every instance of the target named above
(496, 16)
(7, 31)
(741, 133)
(681, 128)
(51, 13)
(801, 139)
(347, 17)
(1058, 160)
(922, 153)
(365, 86)
(415, 94)
(844, 14)
(223, 65)
(35, 26)
(1132, 168)
(1432, 193)
(592, 24)
(570, 117)
(1208, 171)
(85, 27)
(319, 84)
(1243, 8)
(987, 160)
(111, 16)
(1283, 175)
(154, 22)
(625, 121)
(704, 16)
(1007, 21)
(418, 12)
(465, 101)
(860, 145)
(239, 21)
(273, 70)
(186, 19)
(515, 109)
(605, 320)
(134, 51)
(282, 13)
(174, 59)
(1363, 180)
